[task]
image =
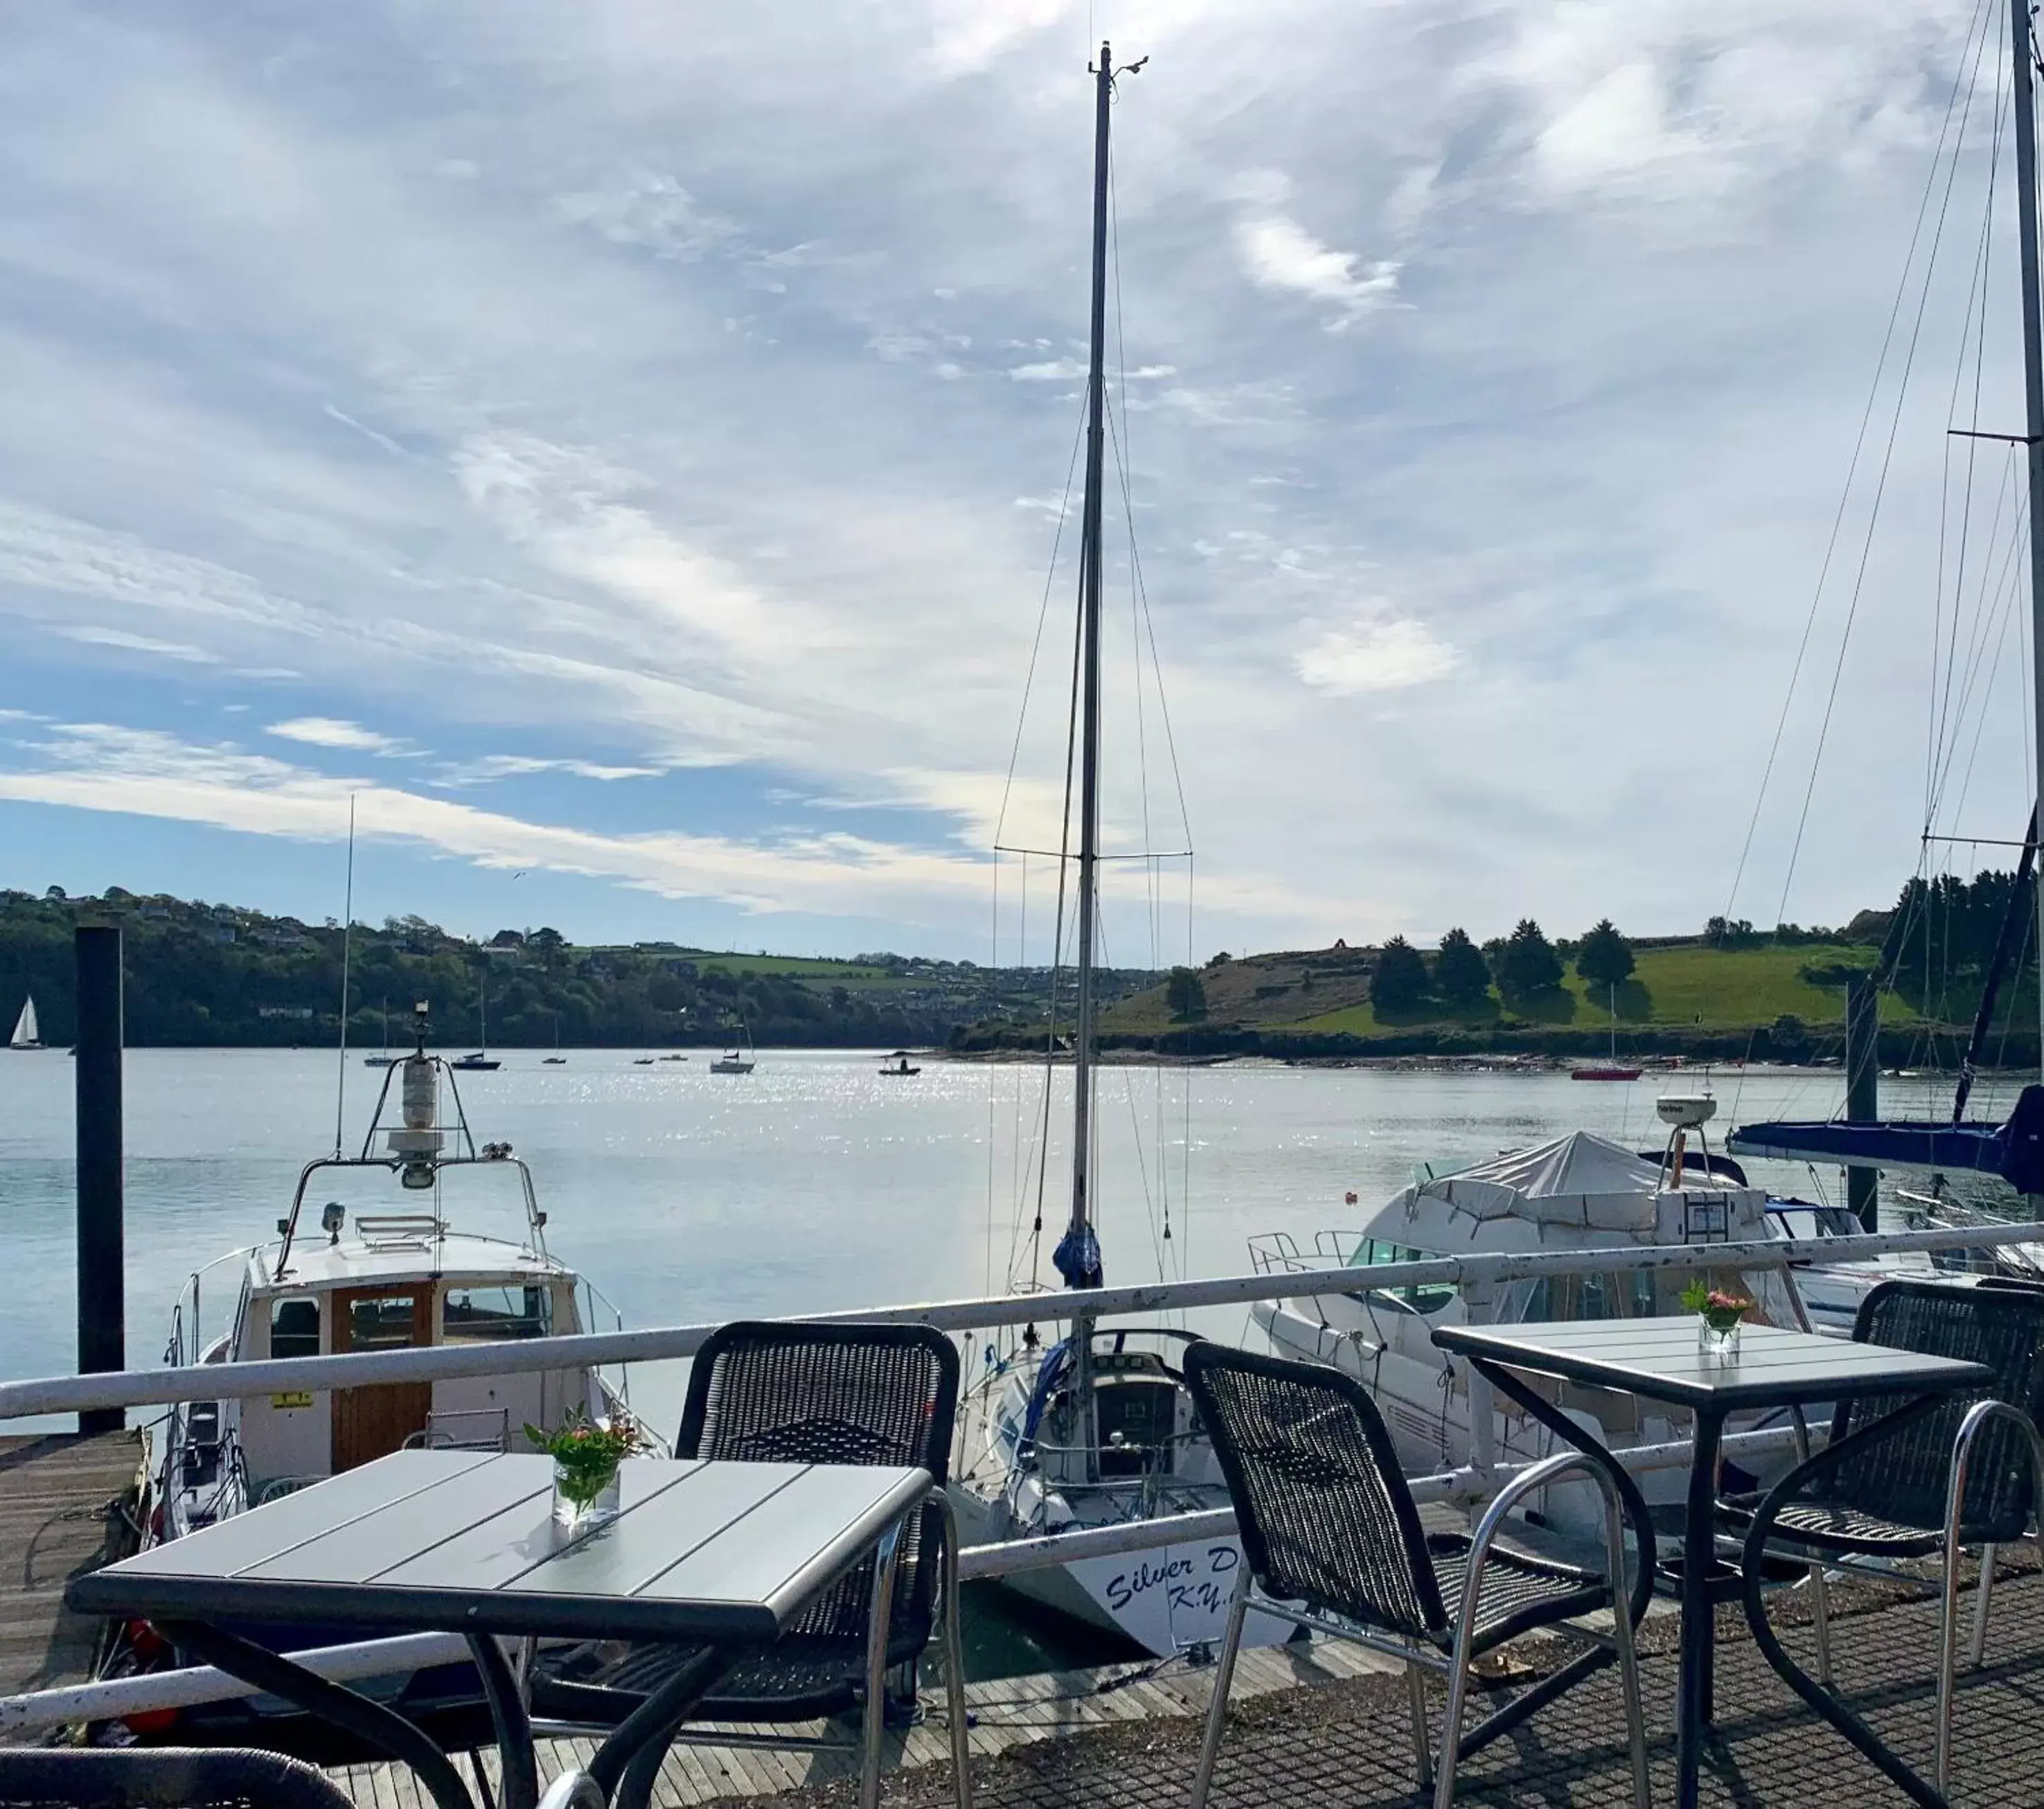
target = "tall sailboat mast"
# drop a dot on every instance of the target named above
(2033, 388)
(1085, 1274)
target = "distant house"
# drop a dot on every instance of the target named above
(302, 1014)
(221, 932)
(504, 956)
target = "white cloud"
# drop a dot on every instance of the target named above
(651, 211)
(1279, 253)
(1048, 371)
(118, 637)
(1390, 655)
(493, 767)
(331, 732)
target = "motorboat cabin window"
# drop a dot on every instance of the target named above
(1414, 1297)
(294, 1326)
(491, 1315)
(1806, 1222)
(1593, 1294)
(380, 1322)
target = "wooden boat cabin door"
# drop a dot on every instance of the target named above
(372, 1422)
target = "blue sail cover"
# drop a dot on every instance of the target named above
(2014, 1151)
(1077, 1258)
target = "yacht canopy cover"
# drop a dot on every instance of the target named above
(1579, 1182)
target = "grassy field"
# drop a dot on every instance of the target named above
(1685, 987)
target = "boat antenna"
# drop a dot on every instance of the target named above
(347, 940)
(2023, 33)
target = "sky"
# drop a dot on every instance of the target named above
(620, 448)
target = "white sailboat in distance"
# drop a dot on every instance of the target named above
(27, 1033)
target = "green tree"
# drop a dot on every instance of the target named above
(1528, 965)
(1462, 976)
(1399, 981)
(1184, 994)
(1604, 957)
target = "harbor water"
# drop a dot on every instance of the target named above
(816, 1182)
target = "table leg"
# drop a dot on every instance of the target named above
(1699, 1619)
(649, 1727)
(520, 1786)
(382, 1728)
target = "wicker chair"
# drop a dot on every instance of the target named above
(788, 1391)
(161, 1777)
(1964, 1470)
(1332, 1541)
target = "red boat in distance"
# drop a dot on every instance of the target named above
(1603, 1073)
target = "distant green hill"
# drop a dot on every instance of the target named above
(1782, 1000)
(213, 974)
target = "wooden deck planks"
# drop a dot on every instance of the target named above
(55, 1492)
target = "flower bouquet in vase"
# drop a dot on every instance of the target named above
(1719, 1314)
(586, 1456)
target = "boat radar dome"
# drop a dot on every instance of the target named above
(1686, 1111)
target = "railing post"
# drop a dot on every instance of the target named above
(101, 1278)
(1480, 1301)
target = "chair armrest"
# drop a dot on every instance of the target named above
(1978, 1415)
(1541, 1475)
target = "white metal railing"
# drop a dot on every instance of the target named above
(147, 1388)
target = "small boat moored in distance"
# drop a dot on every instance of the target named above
(897, 1064)
(27, 1033)
(480, 1061)
(1604, 1071)
(739, 1059)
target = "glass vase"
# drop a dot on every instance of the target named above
(584, 1499)
(1717, 1343)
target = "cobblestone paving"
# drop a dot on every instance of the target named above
(1346, 1744)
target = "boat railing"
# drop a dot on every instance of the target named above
(1277, 1252)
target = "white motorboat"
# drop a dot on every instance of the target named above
(1575, 1192)
(373, 1281)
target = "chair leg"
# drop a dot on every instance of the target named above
(1451, 1717)
(1977, 1650)
(1238, 1612)
(1621, 1637)
(955, 1658)
(888, 1555)
(1820, 1621)
(1423, 1748)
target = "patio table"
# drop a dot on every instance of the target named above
(1659, 1360)
(719, 1555)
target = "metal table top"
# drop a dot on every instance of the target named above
(464, 1541)
(1659, 1359)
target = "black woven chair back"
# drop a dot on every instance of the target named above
(161, 1777)
(1320, 1501)
(764, 1391)
(1904, 1478)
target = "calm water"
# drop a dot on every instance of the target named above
(814, 1182)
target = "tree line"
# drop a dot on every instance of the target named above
(201, 975)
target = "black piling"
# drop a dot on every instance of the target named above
(102, 1287)
(1862, 1087)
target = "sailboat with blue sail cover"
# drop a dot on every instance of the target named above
(1096, 1428)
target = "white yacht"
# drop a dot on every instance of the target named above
(374, 1281)
(1578, 1191)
